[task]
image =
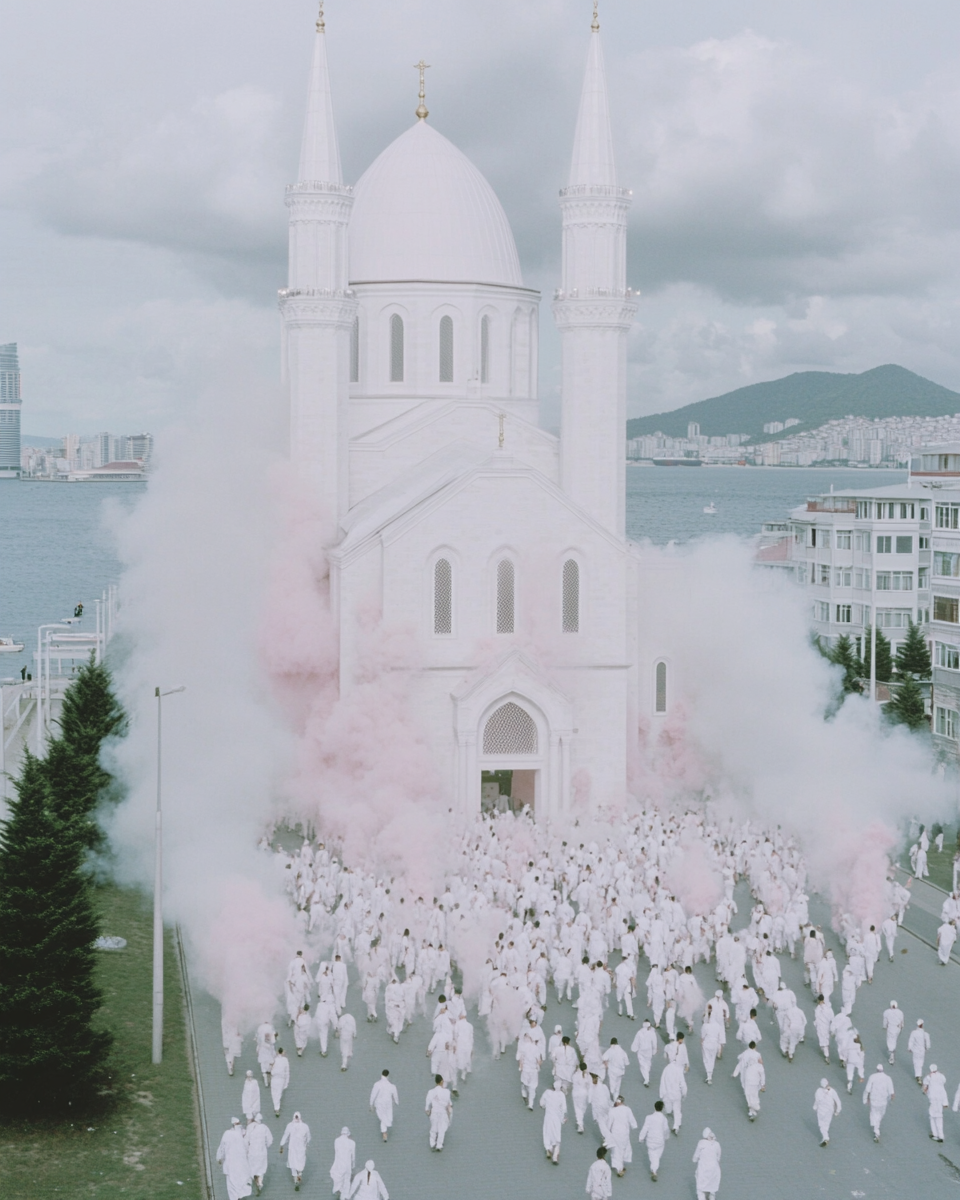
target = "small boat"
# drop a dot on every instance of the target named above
(9, 646)
(710, 509)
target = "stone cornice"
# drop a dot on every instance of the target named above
(303, 308)
(595, 312)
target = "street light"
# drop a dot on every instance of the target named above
(158, 901)
(39, 668)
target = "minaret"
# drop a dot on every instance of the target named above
(594, 311)
(317, 306)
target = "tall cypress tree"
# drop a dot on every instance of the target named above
(907, 707)
(844, 656)
(90, 711)
(913, 657)
(51, 1057)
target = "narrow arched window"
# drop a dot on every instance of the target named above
(355, 351)
(661, 697)
(484, 349)
(571, 596)
(442, 597)
(396, 348)
(505, 596)
(446, 349)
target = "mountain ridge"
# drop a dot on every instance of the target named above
(813, 397)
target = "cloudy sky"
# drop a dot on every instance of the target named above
(795, 168)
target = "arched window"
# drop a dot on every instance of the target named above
(571, 596)
(660, 703)
(505, 596)
(355, 351)
(396, 348)
(484, 349)
(442, 596)
(510, 730)
(446, 349)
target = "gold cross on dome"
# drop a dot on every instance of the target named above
(321, 26)
(422, 111)
(596, 20)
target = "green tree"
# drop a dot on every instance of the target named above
(51, 1057)
(913, 657)
(884, 657)
(845, 657)
(76, 783)
(906, 707)
(91, 712)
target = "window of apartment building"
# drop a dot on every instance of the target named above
(946, 564)
(894, 581)
(905, 545)
(924, 513)
(923, 578)
(947, 656)
(820, 537)
(924, 543)
(907, 512)
(802, 573)
(861, 541)
(861, 579)
(825, 574)
(864, 510)
(947, 516)
(947, 721)
(844, 614)
(945, 608)
(844, 539)
(894, 618)
(885, 544)
(821, 611)
(923, 616)
(843, 577)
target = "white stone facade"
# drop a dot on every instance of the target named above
(497, 549)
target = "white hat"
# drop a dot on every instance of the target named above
(345, 1132)
(368, 1165)
(234, 1120)
(708, 1133)
(880, 1067)
(893, 1004)
(249, 1074)
(824, 1083)
(919, 1023)
(933, 1066)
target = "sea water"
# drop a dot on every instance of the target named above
(57, 548)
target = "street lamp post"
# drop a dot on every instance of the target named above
(41, 731)
(158, 898)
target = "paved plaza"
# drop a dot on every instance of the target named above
(494, 1146)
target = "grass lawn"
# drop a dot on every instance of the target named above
(940, 865)
(147, 1147)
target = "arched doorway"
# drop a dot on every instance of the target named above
(511, 761)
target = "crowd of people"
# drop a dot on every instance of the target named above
(522, 910)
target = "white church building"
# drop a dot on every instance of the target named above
(410, 362)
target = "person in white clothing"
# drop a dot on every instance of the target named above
(302, 1028)
(259, 1139)
(383, 1097)
(935, 1090)
(367, 1184)
(619, 1126)
(878, 1093)
(616, 1060)
(554, 1105)
(344, 1163)
(296, 1137)
(599, 1179)
(279, 1078)
(707, 1158)
(826, 1104)
(893, 1027)
(673, 1088)
(250, 1101)
(655, 1131)
(645, 1046)
(711, 1043)
(347, 1029)
(439, 1108)
(918, 1044)
(752, 1077)
(232, 1042)
(946, 936)
(232, 1156)
(580, 1093)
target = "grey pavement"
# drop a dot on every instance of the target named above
(494, 1146)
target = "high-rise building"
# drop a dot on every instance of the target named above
(10, 405)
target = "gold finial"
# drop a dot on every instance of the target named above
(596, 20)
(321, 26)
(422, 111)
(501, 431)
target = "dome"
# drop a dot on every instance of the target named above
(422, 211)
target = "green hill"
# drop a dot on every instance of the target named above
(813, 397)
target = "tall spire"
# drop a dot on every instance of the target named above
(319, 152)
(593, 161)
(422, 111)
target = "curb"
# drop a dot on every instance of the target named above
(205, 1148)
